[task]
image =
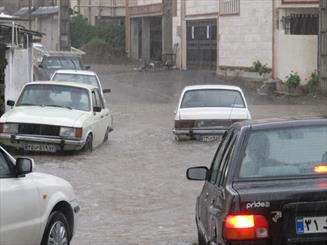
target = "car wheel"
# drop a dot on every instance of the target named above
(106, 136)
(57, 230)
(88, 147)
(201, 239)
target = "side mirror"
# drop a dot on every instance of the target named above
(10, 103)
(87, 67)
(106, 90)
(97, 109)
(24, 166)
(197, 173)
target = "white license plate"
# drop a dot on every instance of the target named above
(43, 148)
(311, 225)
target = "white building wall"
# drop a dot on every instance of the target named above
(198, 7)
(247, 37)
(177, 35)
(16, 72)
(297, 53)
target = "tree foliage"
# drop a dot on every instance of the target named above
(82, 33)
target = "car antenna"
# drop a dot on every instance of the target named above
(233, 106)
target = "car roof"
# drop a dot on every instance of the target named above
(70, 84)
(271, 123)
(79, 72)
(213, 86)
(63, 54)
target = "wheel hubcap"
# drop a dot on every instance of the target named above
(58, 234)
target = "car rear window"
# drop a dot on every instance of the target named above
(212, 98)
(296, 151)
(86, 79)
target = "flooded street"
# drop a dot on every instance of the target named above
(133, 189)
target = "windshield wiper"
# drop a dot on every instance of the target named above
(60, 106)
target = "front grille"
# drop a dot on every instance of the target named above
(39, 129)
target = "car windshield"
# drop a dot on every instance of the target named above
(63, 63)
(55, 96)
(285, 152)
(79, 78)
(212, 98)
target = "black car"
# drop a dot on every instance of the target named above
(53, 61)
(267, 185)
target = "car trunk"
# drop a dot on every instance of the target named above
(289, 206)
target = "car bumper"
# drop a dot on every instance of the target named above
(76, 209)
(19, 141)
(199, 131)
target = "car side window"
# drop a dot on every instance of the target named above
(99, 99)
(5, 171)
(94, 100)
(226, 162)
(217, 161)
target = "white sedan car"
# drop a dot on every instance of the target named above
(207, 110)
(79, 76)
(56, 116)
(35, 208)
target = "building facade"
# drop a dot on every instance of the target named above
(100, 10)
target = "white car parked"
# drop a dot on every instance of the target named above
(56, 116)
(206, 110)
(35, 208)
(79, 76)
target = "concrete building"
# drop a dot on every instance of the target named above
(149, 30)
(100, 10)
(296, 38)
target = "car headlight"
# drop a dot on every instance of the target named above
(9, 128)
(70, 132)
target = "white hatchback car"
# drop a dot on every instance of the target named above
(56, 116)
(207, 110)
(35, 208)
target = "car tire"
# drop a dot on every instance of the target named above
(88, 146)
(201, 239)
(57, 230)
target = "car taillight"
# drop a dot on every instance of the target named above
(320, 169)
(246, 227)
(184, 123)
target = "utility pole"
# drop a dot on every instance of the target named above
(29, 14)
(64, 25)
(323, 46)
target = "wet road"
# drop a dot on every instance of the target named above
(133, 190)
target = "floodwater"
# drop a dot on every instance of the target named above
(133, 189)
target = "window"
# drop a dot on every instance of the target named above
(216, 166)
(56, 96)
(285, 152)
(301, 24)
(5, 171)
(212, 98)
(86, 79)
(229, 7)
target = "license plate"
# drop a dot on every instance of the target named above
(43, 148)
(209, 138)
(311, 225)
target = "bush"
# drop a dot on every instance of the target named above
(314, 80)
(82, 33)
(293, 80)
(258, 67)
